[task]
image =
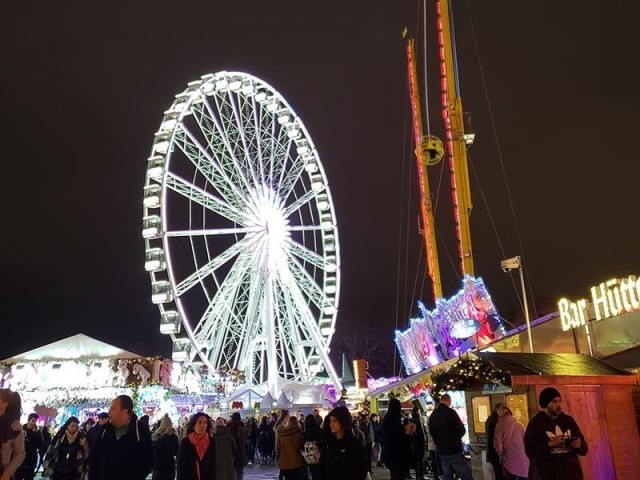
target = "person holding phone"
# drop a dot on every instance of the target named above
(553, 440)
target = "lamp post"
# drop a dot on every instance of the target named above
(513, 264)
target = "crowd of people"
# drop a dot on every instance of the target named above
(119, 445)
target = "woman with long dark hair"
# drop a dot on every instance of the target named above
(312, 446)
(66, 458)
(197, 453)
(11, 438)
(265, 446)
(397, 454)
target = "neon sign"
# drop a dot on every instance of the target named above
(609, 299)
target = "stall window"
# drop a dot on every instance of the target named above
(481, 410)
(519, 405)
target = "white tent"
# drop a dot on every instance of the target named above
(76, 347)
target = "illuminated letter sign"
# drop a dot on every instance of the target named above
(609, 299)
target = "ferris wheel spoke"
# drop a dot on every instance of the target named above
(241, 121)
(208, 167)
(299, 203)
(293, 177)
(291, 314)
(305, 228)
(306, 282)
(213, 265)
(218, 142)
(206, 199)
(229, 133)
(305, 254)
(219, 314)
(212, 231)
(257, 122)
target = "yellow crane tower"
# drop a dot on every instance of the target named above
(430, 150)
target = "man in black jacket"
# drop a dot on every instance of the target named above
(33, 444)
(553, 440)
(492, 456)
(447, 431)
(124, 449)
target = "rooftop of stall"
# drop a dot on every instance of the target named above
(596, 394)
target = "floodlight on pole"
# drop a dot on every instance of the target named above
(514, 263)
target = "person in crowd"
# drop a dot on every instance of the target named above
(93, 435)
(433, 461)
(124, 449)
(343, 456)
(367, 430)
(264, 441)
(509, 445)
(397, 453)
(490, 428)
(418, 443)
(240, 432)
(46, 441)
(197, 452)
(288, 446)
(376, 426)
(312, 446)
(226, 451)
(447, 431)
(252, 441)
(273, 420)
(88, 425)
(165, 450)
(12, 451)
(33, 445)
(66, 458)
(357, 431)
(318, 417)
(553, 440)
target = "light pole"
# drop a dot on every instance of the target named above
(512, 264)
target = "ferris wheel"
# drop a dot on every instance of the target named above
(240, 233)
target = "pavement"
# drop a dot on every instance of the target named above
(270, 472)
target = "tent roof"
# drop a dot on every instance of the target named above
(76, 347)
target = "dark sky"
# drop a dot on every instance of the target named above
(83, 87)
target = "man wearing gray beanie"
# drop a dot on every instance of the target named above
(553, 440)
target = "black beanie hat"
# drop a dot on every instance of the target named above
(343, 415)
(547, 395)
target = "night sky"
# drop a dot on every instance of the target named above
(83, 87)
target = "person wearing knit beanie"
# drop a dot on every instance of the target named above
(547, 395)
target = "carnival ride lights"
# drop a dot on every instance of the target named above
(240, 233)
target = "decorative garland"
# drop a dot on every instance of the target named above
(466, 373)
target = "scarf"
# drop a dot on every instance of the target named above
(71, 438)
(201, 443)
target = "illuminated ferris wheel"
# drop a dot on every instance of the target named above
(240, 233)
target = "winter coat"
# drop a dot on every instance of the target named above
(188, 459)
(67, 460)
(366, 430)
(418, 437)
(12, 451)
(225, 454)
(509, 445)
(288, 446)
(126, 458)
(490, 428)
(240, 431)
(557, 462)
(165, 451)
(378, 436)
(397, 445)
(33, 444)
(265, 447)
(344, 459)
(447, 430)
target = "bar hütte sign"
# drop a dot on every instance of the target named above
(609, 299)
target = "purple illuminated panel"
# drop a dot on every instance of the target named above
(467, 320)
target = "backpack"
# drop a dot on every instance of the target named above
(311, 453)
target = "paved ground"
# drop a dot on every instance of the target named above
(270, 472)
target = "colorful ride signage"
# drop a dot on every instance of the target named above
(609, 299)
